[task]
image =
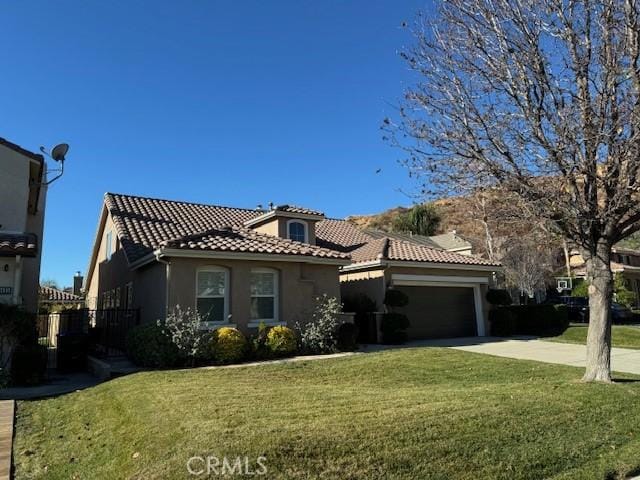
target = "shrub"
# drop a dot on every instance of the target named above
(281, 341)
(150, 346)
(580, 288)
(497, 296)
(540, 320)
(228, 345)
(257, 343)
(319, 334)
(362, 305)
(184, 328)
(347, 337)
(28, 364)
(393, 328)
(502, 322)
(395, 298)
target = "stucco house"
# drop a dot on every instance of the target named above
(22, 203)
(245, 266)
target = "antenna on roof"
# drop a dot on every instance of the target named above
(57, 154)
(270, 205)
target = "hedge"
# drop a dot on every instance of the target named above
(148, 346)
(538, 320)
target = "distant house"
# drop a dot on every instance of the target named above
(243, 267)
(624, 261)
(50, 296)
(22, 203)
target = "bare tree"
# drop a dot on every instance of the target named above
(542, 98)
(528, 265)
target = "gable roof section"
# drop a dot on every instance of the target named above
(244, 240)
(17, 148)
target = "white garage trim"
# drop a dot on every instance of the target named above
(448, 281)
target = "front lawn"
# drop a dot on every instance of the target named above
(621, 336)
(425, 413)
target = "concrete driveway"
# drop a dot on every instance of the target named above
(530, 348)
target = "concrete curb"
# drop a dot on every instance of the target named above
(7, 411)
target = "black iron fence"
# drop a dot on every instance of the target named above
(76, 332)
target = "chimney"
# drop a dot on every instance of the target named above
(77, 283)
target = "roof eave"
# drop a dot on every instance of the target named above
(403, 263)
(226, 255)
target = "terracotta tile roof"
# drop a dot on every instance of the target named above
(340, 235)
(239, 239)
(296, 209)
(12, 244)
(421, 239)
(50, 294)
(145, 224)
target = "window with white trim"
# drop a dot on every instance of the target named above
(264, 295)
(212, 294)
(297, 231)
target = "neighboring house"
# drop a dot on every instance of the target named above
(624, 261)
(22, 203)
(50, 296)
(242, 267)
(450, 241)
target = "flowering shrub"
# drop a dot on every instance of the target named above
(184, 329)
(319, 335)
(228, 345)
(281, 341)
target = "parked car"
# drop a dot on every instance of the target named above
(577, 307)
(621, 314)
(578, 310)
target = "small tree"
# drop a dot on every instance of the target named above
(423, 219)
(527, 266)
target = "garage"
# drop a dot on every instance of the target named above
(440, 312)
(442, 306)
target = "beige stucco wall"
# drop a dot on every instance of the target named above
(14, 190)
(15, 217)
(299, 285)
(371, 283)
(277, 226)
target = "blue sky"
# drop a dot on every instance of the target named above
(224, 102)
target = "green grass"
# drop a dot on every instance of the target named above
(621, 336)
(425, 413)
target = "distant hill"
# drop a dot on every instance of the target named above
(457, 214)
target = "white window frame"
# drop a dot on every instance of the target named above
(227, 284)
(304, 224)
(276, 297)
(108, 252)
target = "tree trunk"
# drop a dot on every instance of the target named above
(600, 296)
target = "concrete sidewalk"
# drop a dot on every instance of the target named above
(530, 348)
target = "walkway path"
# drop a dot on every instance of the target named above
(6, 437)
(528, 348)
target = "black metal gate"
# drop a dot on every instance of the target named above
(78, 332)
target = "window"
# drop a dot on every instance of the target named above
(108, 245)
(212, 294)
(264, 295)
(297, 231)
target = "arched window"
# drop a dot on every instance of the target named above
(212, 294)
(264, 295)
(297, 231)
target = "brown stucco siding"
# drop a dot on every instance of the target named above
(150, 291)
(299, 284)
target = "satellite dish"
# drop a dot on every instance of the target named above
(59, 151)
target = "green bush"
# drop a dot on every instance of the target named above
(347, 337)
(502, 322)
(395, 298)
(281, 342)
(149, 346)
(497, 296)
(228, 345)
(28, 364)
(580, 288)
(394, 328)
(363, 306)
